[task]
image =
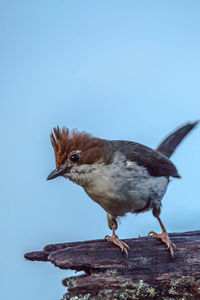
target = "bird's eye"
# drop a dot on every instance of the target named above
(75, 157)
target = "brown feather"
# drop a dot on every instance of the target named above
(65, 142)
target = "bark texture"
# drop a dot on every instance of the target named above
(147, 273)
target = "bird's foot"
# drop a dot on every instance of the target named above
(115, 240)
(165, 238)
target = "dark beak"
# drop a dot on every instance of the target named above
(57, 172)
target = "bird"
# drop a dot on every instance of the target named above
(121, 176)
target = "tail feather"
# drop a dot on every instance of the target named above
(169, 144)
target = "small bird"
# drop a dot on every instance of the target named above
(121, 176)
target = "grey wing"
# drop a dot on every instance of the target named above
(156, 163)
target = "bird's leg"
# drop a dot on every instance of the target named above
(112, 223)
(163, 236)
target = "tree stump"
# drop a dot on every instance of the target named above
(148, 272)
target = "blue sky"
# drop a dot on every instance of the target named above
(117, 69)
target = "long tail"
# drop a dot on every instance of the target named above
(169, 144)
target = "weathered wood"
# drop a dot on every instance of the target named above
(147, 273)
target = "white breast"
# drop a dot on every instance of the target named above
(121, 186)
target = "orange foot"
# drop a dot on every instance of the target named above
(165, 238)
(114, 239)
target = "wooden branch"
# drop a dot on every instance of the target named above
(147, 273)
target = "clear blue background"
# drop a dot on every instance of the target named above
(118, 69)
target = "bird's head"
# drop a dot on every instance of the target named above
(75, 152)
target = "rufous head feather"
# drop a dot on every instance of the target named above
(66, 142)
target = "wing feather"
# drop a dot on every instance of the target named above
(156, 163)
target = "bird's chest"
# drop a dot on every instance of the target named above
(120, 187)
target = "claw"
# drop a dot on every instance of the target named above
(115, 240)
(165, 238)
(151, 233)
